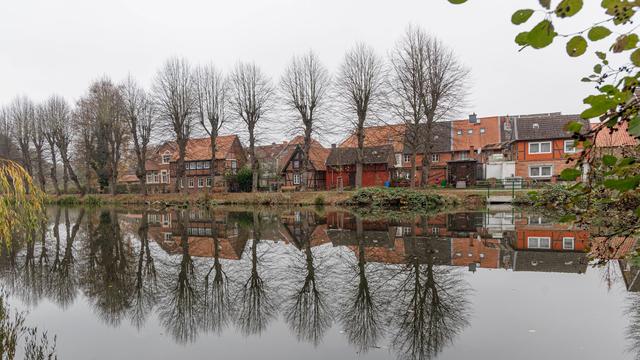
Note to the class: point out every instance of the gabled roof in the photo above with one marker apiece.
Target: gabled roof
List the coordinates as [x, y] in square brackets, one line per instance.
[614, 137]
[271, 151]
[372, 155]
[317, 153]
[392, 134]
[200, 149]
[551, 261]
[545, 126]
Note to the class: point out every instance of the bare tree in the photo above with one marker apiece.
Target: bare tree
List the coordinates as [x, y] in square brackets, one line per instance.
[304, 87]
[141, 120]
[22, 112]
[408, 82]
[211, 93]
[63, 129]
[53, 108]
[38, 139]
[359, 88]
[7, 147]
[251, 98]
[174, 98]
[445, 95]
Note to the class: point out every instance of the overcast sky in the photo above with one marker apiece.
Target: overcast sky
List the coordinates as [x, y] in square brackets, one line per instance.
[54, 46]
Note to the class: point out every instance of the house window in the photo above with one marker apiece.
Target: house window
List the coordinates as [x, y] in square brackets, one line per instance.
[459, 132]
[296, 179]
[470, 131]
[464, 155]
[190, 182]
[482, 130]
[194, 165]
[542, 171]
[543, 147]
[149, 178]
[398, 160]
[435, 231]
[167, 236]
[539, 242]
[568, 243]
[199, 165]
[407, 157]
[406, 230]
[435, 157]
[181, 183]
[206, 165]
[208, 182]
[166, 158]
[234, 166]
[200, 182]
[164, 177]
[569, 146]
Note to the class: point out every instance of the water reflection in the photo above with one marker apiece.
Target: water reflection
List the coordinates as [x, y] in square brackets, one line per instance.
[396, 283]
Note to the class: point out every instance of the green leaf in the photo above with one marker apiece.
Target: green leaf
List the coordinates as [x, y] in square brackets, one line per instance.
[570, 174]
[601, 55]
[568, 8]
[598, 33]
[600, 104]
[541, 35]
[545, 4]
[597, 69]
[624, 184]
[609, 160]
[576, 46]
[635, 57]
[521, 16]
[456, 2]
[567, 218]
[522, 38]
[574, 126]
[633, 128]
[625, 42]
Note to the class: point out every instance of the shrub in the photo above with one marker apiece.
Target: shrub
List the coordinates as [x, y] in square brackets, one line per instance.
[91, 200]
[397, 198]
[67, 200]
[319, 200]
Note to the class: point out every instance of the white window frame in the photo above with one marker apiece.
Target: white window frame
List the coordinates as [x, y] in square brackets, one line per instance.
[459, 132]
[407, 157]
[482, 130]
[209, 181]
[199, 165]
[470, 131]
[164, 177]
[200, 182]
[539, 167]
[206, 165]
[537, 243]
[464, 155]
[571, 143]
[435, 157]
[398, 160]
[539, 143]
[296, 179]
[573, 243]
[190, 182]
[166, 153]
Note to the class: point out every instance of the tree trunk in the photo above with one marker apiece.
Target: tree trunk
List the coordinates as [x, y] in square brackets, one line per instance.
[41, 177]
[254, 163]
[65, 177]
[360, 155]
[414, 167]
[54, 170]
[182, 150]
[213, 159]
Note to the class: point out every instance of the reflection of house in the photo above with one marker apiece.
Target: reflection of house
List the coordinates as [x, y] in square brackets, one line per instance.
[483, 252]
[341, 166]
[550, 261]
[630, 275]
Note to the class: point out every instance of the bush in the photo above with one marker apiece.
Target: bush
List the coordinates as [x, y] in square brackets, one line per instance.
[92, 201]
[244, 179]
[552, 195]
[397, 198]
[68, 200]
[319, 200]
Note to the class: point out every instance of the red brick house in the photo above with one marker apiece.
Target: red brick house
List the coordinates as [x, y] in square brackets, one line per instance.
[229, 157]
[541, 145]
[341, 166]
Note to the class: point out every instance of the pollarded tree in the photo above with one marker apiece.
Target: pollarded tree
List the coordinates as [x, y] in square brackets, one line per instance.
[22, 112]
[175, 101]
[251, 98]
[359, 88]
[54, 109]
[63, 130]
[38, 139]
[212, 90]
[141, 120]
[305, 86]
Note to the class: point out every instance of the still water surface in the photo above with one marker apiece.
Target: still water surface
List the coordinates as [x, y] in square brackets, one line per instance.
[288, 284]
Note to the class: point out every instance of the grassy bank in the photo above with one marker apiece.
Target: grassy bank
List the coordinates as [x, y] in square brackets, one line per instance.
[468, 198]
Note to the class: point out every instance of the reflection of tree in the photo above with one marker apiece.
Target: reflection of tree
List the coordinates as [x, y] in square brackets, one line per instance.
[178, 310]
[256, 307]
[63, 280]
[362, 313]
[145, 289]
[108, 277]
[431, 307]
[306, 309]
[217, 309]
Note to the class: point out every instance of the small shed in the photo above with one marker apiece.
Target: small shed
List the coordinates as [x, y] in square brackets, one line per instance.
[467, 171]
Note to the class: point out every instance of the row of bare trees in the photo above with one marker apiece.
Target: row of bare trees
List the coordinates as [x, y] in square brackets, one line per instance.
[115, 123]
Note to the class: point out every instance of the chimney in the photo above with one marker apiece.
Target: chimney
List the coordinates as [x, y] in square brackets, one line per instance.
[273, 143]
[333, 146]
[473, 118]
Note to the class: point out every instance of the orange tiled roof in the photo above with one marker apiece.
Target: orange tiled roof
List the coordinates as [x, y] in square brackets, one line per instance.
[200, 149]
[617, 136]
[379, 135]
[317, 153]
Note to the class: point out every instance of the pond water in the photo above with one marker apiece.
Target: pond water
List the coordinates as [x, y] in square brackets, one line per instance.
[237, 283]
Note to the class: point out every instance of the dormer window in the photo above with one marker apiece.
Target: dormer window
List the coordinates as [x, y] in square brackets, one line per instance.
[166, 157]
